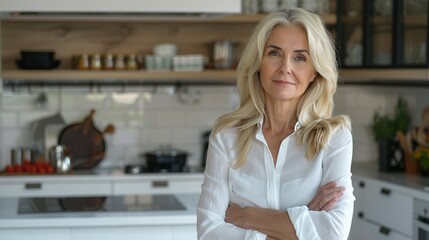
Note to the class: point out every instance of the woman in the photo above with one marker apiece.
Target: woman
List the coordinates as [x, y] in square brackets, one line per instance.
[268, 159]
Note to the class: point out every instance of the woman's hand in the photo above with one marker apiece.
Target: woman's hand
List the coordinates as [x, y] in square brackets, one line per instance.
[239, 216]
[275, 224]
[326, 197]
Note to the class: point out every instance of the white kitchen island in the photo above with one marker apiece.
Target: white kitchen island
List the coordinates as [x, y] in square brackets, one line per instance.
[164, 224]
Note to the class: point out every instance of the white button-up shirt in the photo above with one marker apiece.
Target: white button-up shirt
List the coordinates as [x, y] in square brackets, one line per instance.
[289, 185]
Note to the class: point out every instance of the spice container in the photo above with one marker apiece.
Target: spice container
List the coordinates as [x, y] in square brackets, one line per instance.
[108, 63]
[15, 156]
[95, 63]
[119, 62]
[82, 62]
[131, 62]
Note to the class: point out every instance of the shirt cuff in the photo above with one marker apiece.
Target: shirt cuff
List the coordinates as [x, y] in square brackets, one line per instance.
[302, 223]
[254, 235]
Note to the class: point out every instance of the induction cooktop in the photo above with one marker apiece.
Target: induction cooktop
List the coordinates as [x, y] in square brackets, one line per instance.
[127, 203]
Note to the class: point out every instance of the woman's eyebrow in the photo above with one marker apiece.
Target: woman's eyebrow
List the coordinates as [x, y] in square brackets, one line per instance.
[297, 50]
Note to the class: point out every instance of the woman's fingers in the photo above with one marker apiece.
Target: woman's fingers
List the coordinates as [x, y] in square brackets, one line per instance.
[329, 202]
[325, 197]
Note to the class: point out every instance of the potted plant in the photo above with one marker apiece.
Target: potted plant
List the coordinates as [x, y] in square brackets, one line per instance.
[422, 155]
[385, 129]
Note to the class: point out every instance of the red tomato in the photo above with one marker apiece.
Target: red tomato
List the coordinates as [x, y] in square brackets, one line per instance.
[9, 169]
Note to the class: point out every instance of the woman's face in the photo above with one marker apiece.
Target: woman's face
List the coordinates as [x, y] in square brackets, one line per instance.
[286, 67]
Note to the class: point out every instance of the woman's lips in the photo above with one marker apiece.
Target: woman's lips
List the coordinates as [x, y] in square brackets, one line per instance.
[284, 82]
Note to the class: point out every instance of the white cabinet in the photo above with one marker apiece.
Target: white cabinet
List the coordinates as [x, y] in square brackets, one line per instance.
[34, 234]
[123, 6]
[48, 186]
[376, 232]
[157, 186]
[381, 211]
[178, 232]
[38, 188]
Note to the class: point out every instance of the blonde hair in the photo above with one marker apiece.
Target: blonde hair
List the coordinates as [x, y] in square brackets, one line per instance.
[315, 106]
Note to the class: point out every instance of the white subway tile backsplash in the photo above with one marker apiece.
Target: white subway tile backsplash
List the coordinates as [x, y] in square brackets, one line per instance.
[126, 100]
[125, 136]
[141, 118]
[147, 117]
[20, 101]
[85, 101]
[9, 120]
[170, 118]
[154, 137]
[12, 138]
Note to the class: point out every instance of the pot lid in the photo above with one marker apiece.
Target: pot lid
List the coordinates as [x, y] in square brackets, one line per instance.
[166, 151]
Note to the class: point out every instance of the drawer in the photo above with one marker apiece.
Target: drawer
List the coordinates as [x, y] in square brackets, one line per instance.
[387, 207]
[156, 187]
[377, 232]
[46, 189]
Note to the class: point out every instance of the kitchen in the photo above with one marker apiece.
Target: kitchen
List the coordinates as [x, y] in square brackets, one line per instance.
[147, 116]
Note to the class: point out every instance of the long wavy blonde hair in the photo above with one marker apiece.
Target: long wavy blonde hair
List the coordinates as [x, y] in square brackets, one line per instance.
[314, 112]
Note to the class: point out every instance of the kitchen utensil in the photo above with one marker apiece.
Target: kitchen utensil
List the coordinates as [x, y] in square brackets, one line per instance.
[205, 146]
[40, 130]
[422, 136]
[224, 54]
[59, 158]
[85, 142]
[165, 159]
[134, 169]
[80, 204]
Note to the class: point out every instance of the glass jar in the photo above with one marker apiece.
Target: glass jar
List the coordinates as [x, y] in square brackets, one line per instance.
[108, 63]
[82, 62]
[95, 63]
[131, 62]
[119, 62]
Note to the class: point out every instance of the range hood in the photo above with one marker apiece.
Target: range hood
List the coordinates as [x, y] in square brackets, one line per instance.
[122, 6]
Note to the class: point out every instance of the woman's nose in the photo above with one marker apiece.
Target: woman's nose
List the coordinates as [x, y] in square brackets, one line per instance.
[285, 66]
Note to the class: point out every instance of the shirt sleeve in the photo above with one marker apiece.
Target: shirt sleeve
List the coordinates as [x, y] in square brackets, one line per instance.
[214, 198]
[333, 224]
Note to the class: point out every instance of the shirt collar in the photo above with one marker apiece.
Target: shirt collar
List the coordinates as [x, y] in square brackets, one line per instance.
[260, 135]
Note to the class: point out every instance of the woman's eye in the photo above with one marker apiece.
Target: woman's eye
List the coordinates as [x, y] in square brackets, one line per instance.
[273, 53]
[300, 58]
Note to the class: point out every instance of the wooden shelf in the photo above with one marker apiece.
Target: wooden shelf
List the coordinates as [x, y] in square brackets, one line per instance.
[385, 76]
[418, 75]
[236, 18]
[221, 76]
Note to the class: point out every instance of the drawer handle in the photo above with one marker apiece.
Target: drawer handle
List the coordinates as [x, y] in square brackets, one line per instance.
[384, 230]
[33, 186]
[385, 191]
[160, 184]
[360, 215]
[362, 184]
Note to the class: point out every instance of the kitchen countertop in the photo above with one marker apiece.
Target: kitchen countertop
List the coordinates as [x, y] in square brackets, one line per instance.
[412, 184]
[102, 174]
[9, 218]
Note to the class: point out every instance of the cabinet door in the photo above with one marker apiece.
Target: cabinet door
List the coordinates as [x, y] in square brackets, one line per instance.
[383, 33]
[32, 234]
[350, 34]
[387, 207]
[376, 232]
[128, 233]
[414, 51]
[356, 228]
[46, 189]
[185, 232]
[161, 186]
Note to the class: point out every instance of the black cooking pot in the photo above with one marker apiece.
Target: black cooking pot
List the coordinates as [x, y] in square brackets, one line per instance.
[165, 159]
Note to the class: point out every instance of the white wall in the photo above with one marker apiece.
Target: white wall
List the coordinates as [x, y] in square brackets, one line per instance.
[146, 117]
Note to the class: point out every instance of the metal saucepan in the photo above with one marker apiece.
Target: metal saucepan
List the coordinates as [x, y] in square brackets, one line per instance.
[165, 159]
